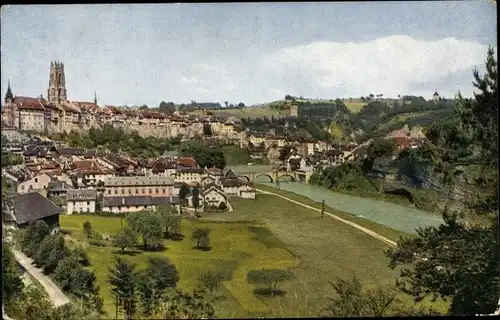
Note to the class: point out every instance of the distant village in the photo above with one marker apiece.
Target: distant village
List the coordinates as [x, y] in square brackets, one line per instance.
[91, 180]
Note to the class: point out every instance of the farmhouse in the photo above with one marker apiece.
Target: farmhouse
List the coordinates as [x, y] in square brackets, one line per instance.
[21, 210]
[81, 201]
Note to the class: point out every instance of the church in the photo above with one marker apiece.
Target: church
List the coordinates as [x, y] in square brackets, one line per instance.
[54, 114]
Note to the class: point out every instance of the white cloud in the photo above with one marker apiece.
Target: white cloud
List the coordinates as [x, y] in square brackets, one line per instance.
[391, 65]
[192, 80]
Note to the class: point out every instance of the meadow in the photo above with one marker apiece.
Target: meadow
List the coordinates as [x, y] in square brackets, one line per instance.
[269, 232]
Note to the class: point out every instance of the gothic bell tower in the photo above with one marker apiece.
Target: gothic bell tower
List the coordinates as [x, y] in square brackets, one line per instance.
[57, 83]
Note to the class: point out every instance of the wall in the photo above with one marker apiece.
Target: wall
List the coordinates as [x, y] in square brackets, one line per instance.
[81, 206]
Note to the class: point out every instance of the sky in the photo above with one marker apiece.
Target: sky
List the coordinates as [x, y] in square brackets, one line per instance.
[134, 54]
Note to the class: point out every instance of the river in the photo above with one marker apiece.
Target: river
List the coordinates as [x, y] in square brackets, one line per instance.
[395, 216]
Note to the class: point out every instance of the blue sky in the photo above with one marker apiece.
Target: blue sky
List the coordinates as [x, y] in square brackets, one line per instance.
[246, 52]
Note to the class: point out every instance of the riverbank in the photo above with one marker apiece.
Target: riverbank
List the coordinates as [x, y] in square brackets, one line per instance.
[383, 230]
[393, 216]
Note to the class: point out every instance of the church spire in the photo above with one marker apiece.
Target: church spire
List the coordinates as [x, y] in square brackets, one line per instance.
[95, 97]
[8, 95]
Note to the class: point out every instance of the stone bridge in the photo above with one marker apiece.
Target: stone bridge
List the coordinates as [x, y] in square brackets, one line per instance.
[276, 176]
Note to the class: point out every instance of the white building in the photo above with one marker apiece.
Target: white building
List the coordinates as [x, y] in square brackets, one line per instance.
[81, 201]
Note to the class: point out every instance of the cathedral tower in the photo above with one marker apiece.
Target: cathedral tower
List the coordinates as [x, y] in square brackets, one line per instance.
[57, 83]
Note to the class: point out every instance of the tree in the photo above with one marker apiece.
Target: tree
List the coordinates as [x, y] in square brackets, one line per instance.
[123, 286]
[185, 306]
[12, 285]
[352, 300]
[34, 236]
[150, 226]
[226, 103]
[201, 235]
[126, 238]
[382, 147]
[455, 260]
[269, 277]
[210, 280]
[241, 105]
[184, 191]
[81, 256]
[52, 250]
[32, 305]
[196, 198]
[87, 229]
[153, 282]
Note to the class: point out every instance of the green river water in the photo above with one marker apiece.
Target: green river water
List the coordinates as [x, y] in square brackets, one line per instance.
[395, 216]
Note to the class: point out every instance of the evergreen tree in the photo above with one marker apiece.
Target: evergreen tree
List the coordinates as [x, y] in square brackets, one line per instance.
[454, 260]
[123, 286]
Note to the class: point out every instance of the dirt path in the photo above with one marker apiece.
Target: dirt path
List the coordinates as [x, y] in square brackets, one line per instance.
[352, 224]
[57, 297]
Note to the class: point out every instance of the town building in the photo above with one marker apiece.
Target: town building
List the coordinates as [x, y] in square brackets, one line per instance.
[21, 210]
[134, 186]
[81, 201]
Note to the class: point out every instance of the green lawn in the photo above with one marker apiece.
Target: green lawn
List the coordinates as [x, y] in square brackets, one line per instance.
[268, 232]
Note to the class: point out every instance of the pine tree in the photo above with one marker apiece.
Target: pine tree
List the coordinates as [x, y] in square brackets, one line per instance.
[123, 286]
[454, 260]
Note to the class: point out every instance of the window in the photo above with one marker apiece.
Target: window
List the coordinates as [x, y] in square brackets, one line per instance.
[36, 180]
[88, 203]
[136, 191]
[123, 191]
[163, 190]
[116, 191]
[129, 191]
[143, 191]
[150, 191]
[109, 191]
[157, 190]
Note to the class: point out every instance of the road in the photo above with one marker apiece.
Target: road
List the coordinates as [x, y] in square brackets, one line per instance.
[57, 297]
[352, 224]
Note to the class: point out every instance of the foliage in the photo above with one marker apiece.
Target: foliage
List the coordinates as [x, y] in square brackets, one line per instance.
[184, 191]
[205, 156]
[382, 147]
[196, 197]
[457, 261]
[11, 160]
[33, 304]
[210, 280]
[452, 261]
[202, 237]
[81, 255]
[123, 286]
[352, 300]
[51, 251]
[87, 229]
[116, 139]
[12, 285]
[153, 282]
[182, 305]
[126, 238]
[172, 221]
[269, 277]
[73, 278]
[150, 226]
[33, 237]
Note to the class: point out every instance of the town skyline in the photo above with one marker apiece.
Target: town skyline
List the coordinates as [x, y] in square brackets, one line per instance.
[249, 53]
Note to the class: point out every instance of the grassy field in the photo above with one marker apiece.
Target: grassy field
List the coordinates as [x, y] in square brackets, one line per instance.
[355, 105]
[401, 118]
[268, 232]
